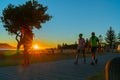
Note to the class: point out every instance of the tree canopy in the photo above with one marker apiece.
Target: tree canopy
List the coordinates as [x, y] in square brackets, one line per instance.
[31, 14]
[110, 36]
[118, 36]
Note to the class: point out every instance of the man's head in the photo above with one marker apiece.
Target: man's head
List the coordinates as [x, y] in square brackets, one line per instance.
[80, 35]
[93, 33]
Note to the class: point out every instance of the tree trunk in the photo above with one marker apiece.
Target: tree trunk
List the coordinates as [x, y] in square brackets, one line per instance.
[19, 43]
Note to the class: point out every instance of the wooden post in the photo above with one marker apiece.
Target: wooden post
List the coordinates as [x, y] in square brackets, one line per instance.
[113, 69]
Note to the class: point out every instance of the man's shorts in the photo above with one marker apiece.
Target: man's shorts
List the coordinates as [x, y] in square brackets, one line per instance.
[93, 49]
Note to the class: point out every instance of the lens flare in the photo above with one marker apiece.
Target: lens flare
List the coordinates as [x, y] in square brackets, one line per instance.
[36, 46]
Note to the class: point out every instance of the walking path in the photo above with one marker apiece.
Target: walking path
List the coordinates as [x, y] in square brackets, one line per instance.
[58, 70]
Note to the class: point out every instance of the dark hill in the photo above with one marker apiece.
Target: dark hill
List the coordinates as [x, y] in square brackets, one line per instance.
[5, 45]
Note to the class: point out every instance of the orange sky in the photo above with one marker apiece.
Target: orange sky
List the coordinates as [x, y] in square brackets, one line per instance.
[44, 45]
[41, 44]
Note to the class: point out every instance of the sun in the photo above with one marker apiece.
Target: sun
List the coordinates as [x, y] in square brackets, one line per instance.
[36, 47]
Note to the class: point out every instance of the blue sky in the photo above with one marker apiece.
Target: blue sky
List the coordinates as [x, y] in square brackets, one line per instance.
[71, 17]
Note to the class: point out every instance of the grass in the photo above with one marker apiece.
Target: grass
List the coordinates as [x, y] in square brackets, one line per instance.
[10, 58]
[98, 76]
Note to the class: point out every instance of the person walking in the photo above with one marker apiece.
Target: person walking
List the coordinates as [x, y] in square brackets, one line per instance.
[94, 41]
[80, 48]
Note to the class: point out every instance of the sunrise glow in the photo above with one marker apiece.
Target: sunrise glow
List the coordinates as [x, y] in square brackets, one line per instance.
[36, 46]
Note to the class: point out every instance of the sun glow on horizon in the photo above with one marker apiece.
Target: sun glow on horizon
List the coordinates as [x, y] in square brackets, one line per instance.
[36, 46]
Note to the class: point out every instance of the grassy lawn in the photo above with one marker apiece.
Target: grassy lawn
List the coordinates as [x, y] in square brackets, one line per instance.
[98, 76]
[9, 58]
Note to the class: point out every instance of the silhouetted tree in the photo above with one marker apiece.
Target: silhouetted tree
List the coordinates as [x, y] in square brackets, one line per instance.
[59, 46]
[100, 38]
[26, 16]
[110, 37]
[118, 37]
[75, 42]
[64, 46]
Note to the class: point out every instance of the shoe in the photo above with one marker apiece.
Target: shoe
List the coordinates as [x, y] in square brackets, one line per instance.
[96, 61]
[92, 63]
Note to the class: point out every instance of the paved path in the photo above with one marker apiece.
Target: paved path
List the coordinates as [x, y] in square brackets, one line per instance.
[59, 70]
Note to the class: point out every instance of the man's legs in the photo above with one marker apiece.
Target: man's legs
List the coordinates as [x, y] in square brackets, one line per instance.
[84, 57]
[77, 56]
[93, 50]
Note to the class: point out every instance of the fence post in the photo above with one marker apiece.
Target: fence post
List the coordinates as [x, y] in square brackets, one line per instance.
[113, 69]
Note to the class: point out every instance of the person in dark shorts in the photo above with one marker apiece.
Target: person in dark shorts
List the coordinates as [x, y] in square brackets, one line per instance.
[81, 48]
[94, 41]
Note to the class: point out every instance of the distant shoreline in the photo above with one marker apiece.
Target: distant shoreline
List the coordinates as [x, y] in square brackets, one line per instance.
[2, 49]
